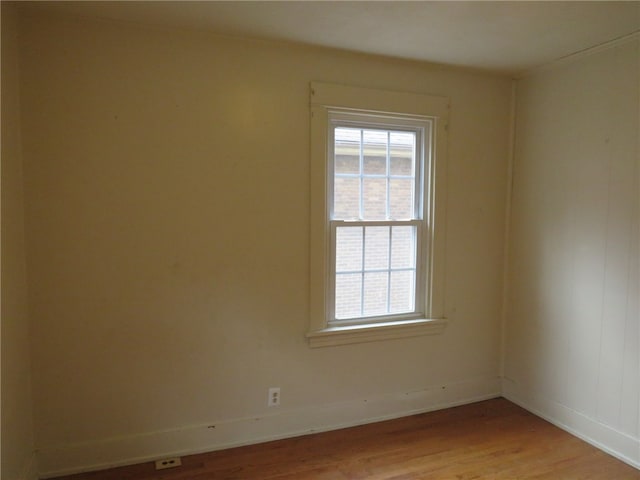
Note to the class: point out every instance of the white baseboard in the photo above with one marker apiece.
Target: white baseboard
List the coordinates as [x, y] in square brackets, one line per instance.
[618, 444]
[126, 450]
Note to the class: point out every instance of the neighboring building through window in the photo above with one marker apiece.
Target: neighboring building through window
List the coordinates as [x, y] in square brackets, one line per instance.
[377, 255]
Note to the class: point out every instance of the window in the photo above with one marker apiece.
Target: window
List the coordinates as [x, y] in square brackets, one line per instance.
[375, 205]
[376, 246]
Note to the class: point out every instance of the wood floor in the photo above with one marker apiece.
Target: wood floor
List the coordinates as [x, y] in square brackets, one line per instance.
[494, 439]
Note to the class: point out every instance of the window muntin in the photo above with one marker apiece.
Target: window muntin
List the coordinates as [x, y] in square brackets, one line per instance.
[375, 207]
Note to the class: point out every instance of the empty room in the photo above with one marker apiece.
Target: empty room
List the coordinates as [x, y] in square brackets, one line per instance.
[320, 240]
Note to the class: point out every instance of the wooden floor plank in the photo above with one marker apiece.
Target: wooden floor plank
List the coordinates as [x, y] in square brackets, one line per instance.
[490, 440]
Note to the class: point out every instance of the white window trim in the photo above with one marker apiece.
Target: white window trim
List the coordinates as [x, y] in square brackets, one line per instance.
[328, 97]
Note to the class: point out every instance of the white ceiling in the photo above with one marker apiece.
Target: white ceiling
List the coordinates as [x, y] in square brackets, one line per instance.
[507, 37]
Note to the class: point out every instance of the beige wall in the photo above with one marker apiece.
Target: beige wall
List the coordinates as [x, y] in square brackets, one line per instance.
[573, 350]
[167, 183]
[18, 457]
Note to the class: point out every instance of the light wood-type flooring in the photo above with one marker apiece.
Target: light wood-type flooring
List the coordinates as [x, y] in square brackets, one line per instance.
[493, 439]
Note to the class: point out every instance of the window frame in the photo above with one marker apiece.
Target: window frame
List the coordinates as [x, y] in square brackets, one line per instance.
[422, 127]
[382, 108]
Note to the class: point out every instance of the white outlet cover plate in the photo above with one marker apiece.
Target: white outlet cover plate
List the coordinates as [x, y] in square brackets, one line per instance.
[168, 463]
[274, 397]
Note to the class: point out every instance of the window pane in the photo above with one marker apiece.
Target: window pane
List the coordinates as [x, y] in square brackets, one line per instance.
[376, 249]
[403, 252]
[401, 149]
[375, 293]
[346, 194]
[374, 199]
[349, 249]
[348, 295]
[401, 292]
[347, 150]
[401, 204]
[374, 144]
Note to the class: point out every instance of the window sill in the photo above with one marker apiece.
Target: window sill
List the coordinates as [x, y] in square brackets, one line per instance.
[346, 335]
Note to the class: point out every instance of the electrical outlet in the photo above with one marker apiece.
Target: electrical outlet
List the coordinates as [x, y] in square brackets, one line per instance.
[168, 463]
[274, 397]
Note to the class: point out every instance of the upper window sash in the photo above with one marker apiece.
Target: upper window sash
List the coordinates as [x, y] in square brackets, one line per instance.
[420, 126]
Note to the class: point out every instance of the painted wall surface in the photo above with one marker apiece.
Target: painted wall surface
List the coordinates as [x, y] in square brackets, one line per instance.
[573, 353]
[17, 453]
[167, 186]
